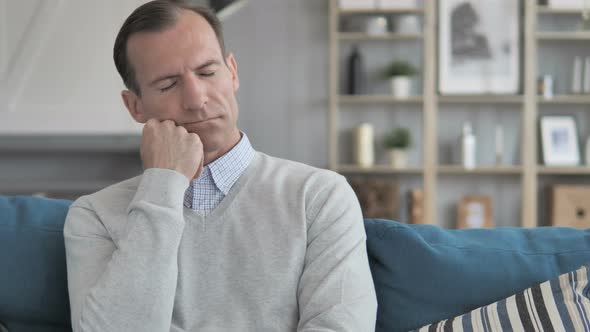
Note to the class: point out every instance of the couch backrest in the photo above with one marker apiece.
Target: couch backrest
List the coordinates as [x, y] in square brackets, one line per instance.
[33, 278]
[424, 274]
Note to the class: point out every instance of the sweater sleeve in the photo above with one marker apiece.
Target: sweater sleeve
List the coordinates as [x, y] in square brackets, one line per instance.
[128, 285]
[336, 290]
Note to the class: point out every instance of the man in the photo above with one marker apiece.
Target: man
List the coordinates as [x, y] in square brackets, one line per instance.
[213, 236]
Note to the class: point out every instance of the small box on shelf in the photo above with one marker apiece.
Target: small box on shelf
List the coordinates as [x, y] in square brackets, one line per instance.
[569, 206]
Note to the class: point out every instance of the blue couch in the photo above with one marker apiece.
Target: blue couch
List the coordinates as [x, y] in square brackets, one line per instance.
[422, 273]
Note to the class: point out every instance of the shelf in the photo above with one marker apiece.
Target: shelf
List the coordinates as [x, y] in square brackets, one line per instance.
[559, 11]
[417, 11]
[566, 99]
[360, 36]
[380, 99]
[481, 99]
[564, 170]
[70, 143]
[56, 187]
[563, 36]
[378, 169]
[493, 170]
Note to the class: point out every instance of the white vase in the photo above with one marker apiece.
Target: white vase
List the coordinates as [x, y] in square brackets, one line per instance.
[407, 24]
[376, 25]
[398, 158]
[400, 86]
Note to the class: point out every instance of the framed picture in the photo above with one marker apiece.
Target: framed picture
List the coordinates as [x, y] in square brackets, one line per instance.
[475, 212]
[479, 47]
[559, 139]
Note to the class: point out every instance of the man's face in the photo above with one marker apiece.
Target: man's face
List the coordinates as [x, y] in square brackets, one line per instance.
[183, 77]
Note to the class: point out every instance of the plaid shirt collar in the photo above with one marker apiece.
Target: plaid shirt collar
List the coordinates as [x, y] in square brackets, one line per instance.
[226, 169]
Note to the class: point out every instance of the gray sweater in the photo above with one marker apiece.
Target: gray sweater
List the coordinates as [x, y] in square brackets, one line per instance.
[284, 251]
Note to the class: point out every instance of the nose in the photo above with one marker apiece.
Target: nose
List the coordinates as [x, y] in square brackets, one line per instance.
[194, 93]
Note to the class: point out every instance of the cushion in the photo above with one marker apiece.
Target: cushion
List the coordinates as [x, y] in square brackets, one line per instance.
[560, 304]
[424, 274]
[33, 282]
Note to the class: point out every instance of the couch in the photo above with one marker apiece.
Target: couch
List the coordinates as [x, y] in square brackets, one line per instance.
[422, 273]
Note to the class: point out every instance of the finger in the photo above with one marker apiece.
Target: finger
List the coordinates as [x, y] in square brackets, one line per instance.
[200, 169]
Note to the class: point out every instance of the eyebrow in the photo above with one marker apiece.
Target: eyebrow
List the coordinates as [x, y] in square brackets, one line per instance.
[169, 76]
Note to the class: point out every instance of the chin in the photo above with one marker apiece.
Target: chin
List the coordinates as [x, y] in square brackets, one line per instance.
[211, 143]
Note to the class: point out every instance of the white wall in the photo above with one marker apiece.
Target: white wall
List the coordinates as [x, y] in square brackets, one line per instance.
[56, 70]
[57, 74]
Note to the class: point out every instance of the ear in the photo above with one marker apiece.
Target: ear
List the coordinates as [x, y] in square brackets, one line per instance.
[134, 106]
[233, 68]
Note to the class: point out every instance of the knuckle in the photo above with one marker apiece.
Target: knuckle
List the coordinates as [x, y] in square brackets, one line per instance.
[196, 138]
[180, 129]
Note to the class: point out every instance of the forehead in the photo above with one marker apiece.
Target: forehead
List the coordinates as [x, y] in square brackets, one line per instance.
[189, 42]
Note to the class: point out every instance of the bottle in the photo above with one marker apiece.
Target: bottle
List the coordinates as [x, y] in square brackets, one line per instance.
[356, 78]
[577, 76]
[586, 78]
[588, 151]
[468, 147]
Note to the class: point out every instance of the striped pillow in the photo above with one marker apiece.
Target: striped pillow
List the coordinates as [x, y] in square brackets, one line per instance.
[561, 304]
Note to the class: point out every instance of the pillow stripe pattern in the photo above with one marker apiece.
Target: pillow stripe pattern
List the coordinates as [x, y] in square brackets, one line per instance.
[560, 304]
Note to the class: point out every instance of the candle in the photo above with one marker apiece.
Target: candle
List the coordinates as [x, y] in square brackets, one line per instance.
[364, 154]
[499, 145]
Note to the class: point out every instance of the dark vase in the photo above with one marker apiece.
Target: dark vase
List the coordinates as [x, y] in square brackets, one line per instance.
[356, 73]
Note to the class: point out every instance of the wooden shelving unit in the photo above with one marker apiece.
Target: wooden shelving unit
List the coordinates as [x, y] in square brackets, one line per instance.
[376, 99]
[378, 169]
[579, 170]
[527, 173]
[563, 36]
[357, 36]
[480, 170]
[417, 11]
[546, 10]
[482, 99]
[566, 99]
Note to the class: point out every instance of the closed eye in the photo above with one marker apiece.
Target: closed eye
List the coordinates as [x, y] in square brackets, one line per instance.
[208, 74]
[168, 87]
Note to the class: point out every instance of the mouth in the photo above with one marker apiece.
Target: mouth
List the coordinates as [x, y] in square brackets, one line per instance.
[201, 121]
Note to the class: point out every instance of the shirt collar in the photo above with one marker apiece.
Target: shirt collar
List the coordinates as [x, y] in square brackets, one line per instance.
[226, 169]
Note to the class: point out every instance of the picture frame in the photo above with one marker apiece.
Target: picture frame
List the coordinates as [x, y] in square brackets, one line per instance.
[559, 140]
[479, 47]
[475, 211]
